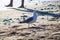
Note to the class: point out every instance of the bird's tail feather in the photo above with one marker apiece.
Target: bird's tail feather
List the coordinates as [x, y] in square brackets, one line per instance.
[20, 22]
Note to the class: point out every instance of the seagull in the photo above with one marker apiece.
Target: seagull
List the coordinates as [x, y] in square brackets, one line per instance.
[31, 19]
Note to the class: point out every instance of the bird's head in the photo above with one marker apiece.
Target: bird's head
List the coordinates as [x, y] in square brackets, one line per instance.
[35, 13]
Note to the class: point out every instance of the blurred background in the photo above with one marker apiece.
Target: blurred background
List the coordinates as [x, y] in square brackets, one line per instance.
[18, 2]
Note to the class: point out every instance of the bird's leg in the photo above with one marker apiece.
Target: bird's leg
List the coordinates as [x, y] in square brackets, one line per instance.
[28, 25]
[34, 24]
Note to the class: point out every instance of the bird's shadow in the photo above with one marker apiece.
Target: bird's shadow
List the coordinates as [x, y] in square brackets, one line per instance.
[36, 28]
[39, 12]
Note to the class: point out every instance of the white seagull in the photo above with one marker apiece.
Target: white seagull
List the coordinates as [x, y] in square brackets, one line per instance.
[31, 19]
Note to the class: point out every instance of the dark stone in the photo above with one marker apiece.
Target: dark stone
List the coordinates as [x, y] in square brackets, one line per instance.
[15, 26]
[42, 37]
[51, 38]
[30, 39]
[2, 32]
[22, 35]
[19, 39]
[13, 33]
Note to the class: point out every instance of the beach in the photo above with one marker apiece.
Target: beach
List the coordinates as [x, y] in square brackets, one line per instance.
[46, 27]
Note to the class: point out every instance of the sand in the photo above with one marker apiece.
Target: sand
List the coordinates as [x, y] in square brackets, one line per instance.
[42, 29]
